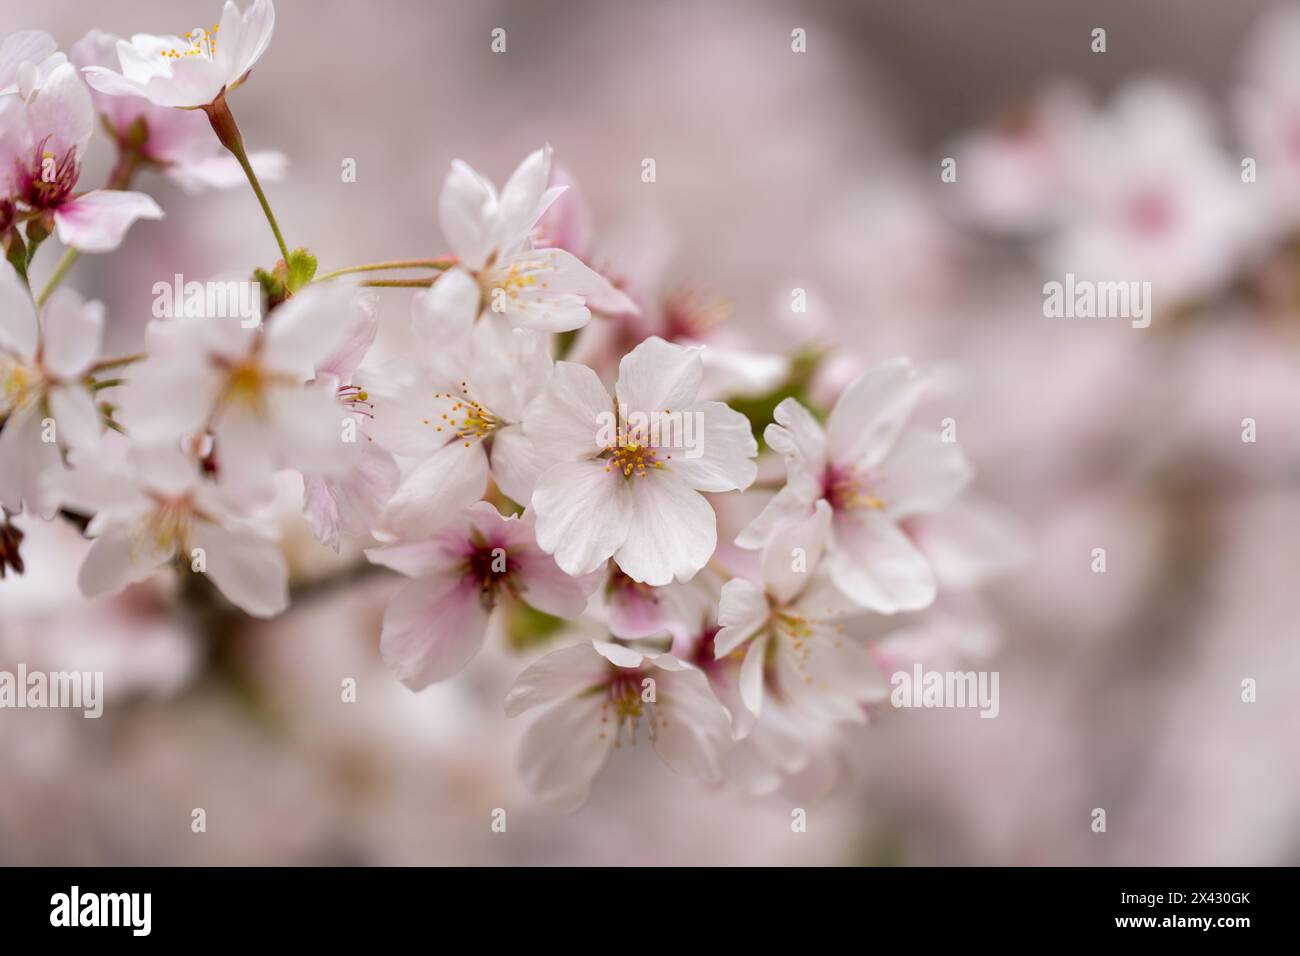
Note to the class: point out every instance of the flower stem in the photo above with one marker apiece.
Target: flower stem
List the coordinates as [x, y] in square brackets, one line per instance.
[223, 124]
[400, 283]
[60, 271]
[437, 264]
[129, 159]
[107, 364]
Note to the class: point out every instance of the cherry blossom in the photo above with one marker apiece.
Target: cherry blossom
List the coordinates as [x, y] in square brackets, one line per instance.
[597, 697]
[436, 622]
[627, 489]
[192, 70]
[154, 508]
[790, 632]
[350, 501]
[248, 386]
[457, 415]
[872, 473]
[44, 131]
[179, 142]
[499, 269]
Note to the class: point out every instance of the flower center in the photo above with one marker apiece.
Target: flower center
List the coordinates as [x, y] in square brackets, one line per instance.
[201, 43]
[519, 276]
[626, 704]
[632, 459]
[797, 630]
[166, 530]
[356, 399]
[468, 420]
[849, 491]
[20, 385]
[47, 181]
[488, 568]
[246, 384]
[689, 315]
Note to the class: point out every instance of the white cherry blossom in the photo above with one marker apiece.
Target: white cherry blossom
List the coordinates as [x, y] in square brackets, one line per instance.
[789, 631]
[597, 697]
[248, 387]
[872, 473]
[619, 485]
[154, 508]
[194, 69]
[457, 416]
[499, 269]
[179, 142]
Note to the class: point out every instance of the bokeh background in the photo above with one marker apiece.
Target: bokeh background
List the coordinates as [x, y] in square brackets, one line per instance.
[775, 171]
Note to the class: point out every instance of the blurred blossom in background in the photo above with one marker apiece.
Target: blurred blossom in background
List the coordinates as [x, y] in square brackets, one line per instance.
[818, 171]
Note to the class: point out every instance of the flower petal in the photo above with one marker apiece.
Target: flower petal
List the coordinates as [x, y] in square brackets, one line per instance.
[25, 46]
[694, 728]
[872, 412]
[71, 335]
[724, 449]
[97, 221]
[310, 327]
[563, 751]
[922, 474]
[798, 438]
[791, 504]
[671, 529]
[433, 627]
[248, 570]
[742, 611]
[563, 673]
[257, 25]
[446, 310]
[115, 560]
[659, 376]
[791, 557]
[582, 513]
[19, 329]
[351, 503]
[521, 198]
[450, 479]
[75, 416]
[568, 419]
[516, 463]
[873, 562]
[27, 463]
[541, 584]
[467, 210]
[61, 113]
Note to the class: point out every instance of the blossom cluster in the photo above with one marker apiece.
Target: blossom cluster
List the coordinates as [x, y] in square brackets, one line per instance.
[563, 441]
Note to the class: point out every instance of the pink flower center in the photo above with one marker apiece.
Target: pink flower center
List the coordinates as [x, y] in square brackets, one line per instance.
[848, 490]
[47, 182]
